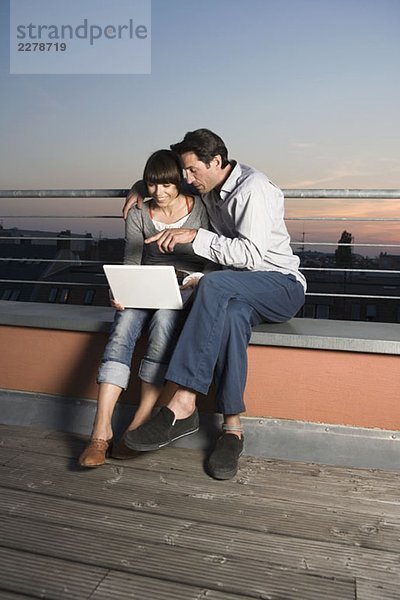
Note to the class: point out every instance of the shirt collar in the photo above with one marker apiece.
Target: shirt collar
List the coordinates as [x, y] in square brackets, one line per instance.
[230, 183]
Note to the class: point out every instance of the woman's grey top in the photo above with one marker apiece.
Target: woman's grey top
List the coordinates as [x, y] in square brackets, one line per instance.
[139, 226]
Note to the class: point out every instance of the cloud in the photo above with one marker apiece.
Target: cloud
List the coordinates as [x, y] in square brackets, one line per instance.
[302, 145]
[377, 232]
[347, 170]
[356, 172]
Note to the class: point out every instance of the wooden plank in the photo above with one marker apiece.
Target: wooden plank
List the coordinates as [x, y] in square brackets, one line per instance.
[334, 486]
[254, 471]
[41, 441]
[135, 504]
[57, 443]
[262, 468]
[7, 595]
[42, 576]
[283, 487]
[372, 590]
[353, 483]
[193, 568]
[276, 589]
[165, 494]
[285, 514]
[312, 522]
[7, 455]
[121, 586]
[91, 516]
[332, 559]
[21, 431]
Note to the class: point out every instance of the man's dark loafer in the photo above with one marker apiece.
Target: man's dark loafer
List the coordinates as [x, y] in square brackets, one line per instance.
[161, 430]
[223, 462]
[121, 452]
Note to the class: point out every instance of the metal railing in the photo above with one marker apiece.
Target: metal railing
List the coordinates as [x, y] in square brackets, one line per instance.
[297, 194]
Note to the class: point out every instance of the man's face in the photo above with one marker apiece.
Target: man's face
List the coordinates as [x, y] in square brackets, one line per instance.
[203, 177]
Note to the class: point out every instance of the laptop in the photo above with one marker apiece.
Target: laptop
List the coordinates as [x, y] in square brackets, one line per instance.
[146, 286]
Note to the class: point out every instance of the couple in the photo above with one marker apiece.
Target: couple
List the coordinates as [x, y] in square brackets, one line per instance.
[258, 281]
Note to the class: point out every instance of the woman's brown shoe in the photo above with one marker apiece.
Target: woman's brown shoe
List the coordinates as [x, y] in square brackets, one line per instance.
[94, 455]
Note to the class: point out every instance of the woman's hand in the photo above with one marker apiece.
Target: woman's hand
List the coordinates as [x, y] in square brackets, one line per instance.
[117, 305]
[191, 281]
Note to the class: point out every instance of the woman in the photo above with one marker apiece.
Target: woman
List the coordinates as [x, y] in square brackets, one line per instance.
[168, 208]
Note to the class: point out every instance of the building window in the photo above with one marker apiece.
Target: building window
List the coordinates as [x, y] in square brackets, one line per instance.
[12, 294]
[15, 294]
[355, 311]
[89, 296]
[322, 311]
[64, 296]
[371, 312]
[53, 295]
[309, 311]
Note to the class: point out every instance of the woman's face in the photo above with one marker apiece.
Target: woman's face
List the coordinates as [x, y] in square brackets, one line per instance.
[163, 193]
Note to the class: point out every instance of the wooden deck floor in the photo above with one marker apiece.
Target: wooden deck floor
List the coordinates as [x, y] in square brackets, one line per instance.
[158, 528]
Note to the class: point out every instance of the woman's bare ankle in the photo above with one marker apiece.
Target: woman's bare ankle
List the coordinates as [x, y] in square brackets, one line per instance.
[101, 432]
[183, 403]
[138, 422]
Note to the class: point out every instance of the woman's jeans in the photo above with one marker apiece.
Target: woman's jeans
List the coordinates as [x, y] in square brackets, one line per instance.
[162, 326]
[217, 331]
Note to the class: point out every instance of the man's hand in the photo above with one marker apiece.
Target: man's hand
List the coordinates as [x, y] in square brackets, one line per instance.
[135, 197]
[167, 239]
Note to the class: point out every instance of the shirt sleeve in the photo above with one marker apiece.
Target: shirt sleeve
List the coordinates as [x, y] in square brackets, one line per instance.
[253, 213]
[134, 240]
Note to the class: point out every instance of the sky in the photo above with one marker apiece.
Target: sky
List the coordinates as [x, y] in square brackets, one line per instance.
[307, 91]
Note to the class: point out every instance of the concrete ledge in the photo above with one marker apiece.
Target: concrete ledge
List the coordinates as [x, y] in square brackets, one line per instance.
[350, 336]
[56, 316]
[269, 438]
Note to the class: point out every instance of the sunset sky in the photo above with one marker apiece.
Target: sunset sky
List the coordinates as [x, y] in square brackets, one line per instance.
[307, 91]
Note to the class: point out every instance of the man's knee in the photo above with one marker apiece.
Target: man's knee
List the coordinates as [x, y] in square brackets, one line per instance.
[239, 316]
[209, 279]
[217, 282]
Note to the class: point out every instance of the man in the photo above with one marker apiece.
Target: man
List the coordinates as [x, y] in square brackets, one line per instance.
[259, 282]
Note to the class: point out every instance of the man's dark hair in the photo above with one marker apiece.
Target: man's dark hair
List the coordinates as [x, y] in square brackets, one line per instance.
[205, 144]
[163, 166]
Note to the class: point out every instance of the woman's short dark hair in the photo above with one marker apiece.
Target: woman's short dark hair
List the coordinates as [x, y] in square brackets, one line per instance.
[163, 166]
[205, 144]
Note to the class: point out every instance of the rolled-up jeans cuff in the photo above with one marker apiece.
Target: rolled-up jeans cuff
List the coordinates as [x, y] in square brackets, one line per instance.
[114, 372]
[152, 372]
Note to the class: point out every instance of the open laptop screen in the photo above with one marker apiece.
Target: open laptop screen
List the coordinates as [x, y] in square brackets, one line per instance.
[144, 286]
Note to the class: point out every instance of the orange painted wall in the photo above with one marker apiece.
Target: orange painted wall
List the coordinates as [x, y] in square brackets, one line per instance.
[347, 388]
[51, 361]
